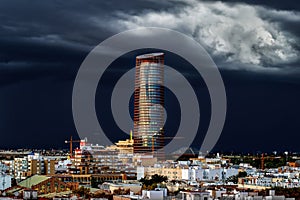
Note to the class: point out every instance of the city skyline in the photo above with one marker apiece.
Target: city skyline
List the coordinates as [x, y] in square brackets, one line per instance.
[145, 99]
[254, 44]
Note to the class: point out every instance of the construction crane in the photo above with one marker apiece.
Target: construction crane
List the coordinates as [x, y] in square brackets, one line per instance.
[71, 141]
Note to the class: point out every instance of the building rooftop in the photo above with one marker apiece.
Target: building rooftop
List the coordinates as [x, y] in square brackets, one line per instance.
[149, 55]
[34, 180]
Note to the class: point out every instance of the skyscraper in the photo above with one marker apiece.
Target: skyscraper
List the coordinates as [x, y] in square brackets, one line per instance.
[148, 103]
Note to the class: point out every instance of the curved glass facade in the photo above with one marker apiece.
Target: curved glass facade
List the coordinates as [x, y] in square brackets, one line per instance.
[148, 103]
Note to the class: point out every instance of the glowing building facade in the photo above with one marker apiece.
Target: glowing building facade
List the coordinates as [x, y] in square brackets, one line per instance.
[148, 103]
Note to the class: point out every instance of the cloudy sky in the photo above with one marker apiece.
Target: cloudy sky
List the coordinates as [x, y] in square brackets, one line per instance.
[255, 44]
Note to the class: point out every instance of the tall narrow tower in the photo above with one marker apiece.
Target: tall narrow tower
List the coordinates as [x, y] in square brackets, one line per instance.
[148, 103]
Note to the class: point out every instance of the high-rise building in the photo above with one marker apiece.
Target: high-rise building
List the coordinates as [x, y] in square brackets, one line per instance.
[148, 103]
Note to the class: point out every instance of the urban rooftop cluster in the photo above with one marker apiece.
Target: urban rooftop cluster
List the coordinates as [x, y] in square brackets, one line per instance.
[116, 172]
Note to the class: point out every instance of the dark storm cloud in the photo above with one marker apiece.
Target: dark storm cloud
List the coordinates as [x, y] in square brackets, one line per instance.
[63, 32]
[44, 36]
[279, 5]
[242, 36]
[31, 58]
[83, 22]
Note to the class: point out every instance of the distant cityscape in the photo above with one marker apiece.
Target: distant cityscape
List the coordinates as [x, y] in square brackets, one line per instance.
[116, 172]
[133, 168]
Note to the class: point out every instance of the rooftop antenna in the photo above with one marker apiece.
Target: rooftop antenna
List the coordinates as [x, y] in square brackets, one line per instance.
[130, 135]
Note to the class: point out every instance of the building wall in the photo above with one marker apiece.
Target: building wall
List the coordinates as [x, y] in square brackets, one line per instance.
[34, 167]
[171, 173]
[5, 182]
[207, 174]
[33, 164]
[20, 168]
[49, 167]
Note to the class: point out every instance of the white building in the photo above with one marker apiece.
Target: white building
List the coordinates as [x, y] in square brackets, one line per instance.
[5, 181]
[20, 168]
[199, 174]
[195, 195]
[157, 194]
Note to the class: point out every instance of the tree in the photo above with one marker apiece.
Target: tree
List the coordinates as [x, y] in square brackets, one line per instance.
[158, 178]
[235, 178]
[151, 184]
[242, 174]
